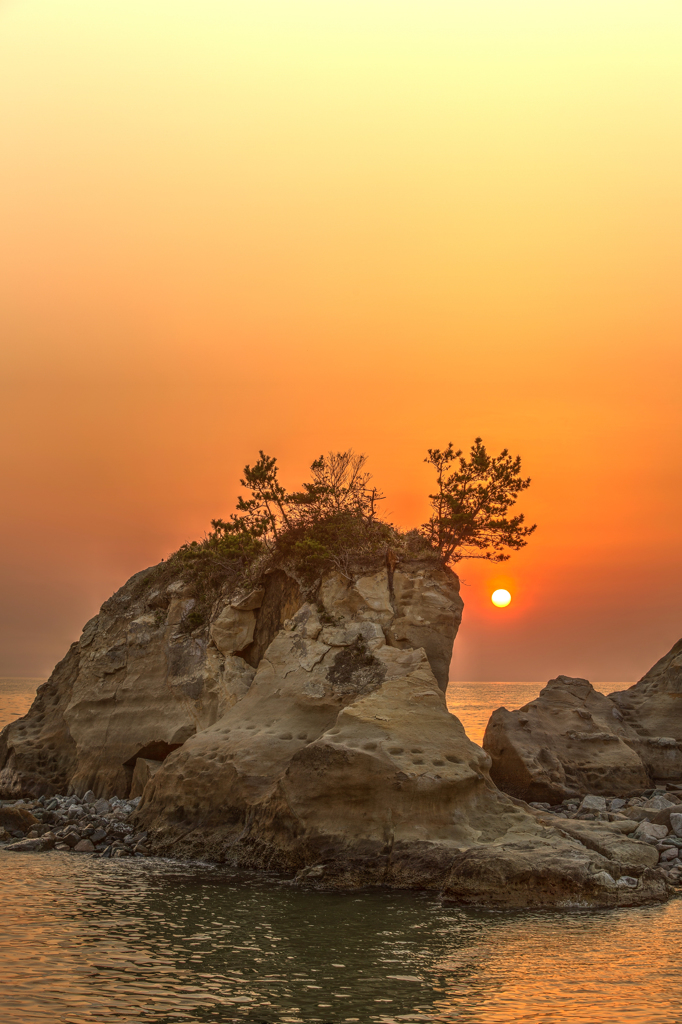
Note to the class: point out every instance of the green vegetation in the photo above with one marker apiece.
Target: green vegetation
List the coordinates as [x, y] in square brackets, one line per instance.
[469, 509]
[332, 523]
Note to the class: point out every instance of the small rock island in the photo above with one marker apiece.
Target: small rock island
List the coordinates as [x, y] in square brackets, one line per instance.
[284, 710]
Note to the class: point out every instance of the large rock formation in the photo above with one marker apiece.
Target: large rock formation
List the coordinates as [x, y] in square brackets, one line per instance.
[572, 740]
[308, 735]
[140, 682]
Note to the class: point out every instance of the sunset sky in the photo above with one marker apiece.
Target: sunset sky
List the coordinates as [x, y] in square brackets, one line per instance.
[303, 225]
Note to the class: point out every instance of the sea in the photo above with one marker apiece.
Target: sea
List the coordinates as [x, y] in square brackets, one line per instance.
[84, 940]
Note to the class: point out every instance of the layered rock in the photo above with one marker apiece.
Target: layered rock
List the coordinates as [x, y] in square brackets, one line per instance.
[307, 735]
[572, 740]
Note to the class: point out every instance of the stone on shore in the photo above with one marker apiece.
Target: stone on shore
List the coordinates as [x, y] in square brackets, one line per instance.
[676, 821]
[15, 819]
[572, 740]
[32, 845]
[649, 832]
[567, 742]
[593, 803]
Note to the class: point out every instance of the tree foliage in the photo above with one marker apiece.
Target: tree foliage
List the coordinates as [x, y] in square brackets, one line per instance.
[470, 507]
[339, 489]
[332, 522]
[339, 486]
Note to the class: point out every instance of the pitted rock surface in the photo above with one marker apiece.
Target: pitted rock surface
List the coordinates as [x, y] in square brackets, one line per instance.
[305, 736]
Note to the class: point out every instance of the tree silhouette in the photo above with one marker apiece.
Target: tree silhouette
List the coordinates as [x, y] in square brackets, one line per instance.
[469, 509]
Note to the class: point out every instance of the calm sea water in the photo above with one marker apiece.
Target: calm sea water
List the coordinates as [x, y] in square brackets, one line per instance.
[84, 940]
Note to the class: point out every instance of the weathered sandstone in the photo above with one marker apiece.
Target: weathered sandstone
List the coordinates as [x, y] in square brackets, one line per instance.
[139, 683]
[572, 740]
[303, 734]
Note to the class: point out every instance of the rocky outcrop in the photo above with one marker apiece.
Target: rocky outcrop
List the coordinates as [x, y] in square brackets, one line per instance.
[342, 765]
[652, 712]
[567, 742]
[136, 685]
[572, 740]
[139, 682]
[308, 735]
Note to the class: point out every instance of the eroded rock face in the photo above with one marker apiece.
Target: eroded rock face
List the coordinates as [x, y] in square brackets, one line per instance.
[415, 609]
[343, 765]
[572, 740]
[652, 710]
[569, 741]
[138, 683]
[306, 736]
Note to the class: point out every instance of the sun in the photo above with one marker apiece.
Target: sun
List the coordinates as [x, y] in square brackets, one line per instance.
[501, 598]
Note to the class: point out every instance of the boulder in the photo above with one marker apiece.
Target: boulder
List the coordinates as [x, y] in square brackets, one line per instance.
[612, 843]
[572, 740]
[16, 819]
[26, 846]
[232, 630]
[567, 742]
[34, 844]
[593, 803]
[657, 803]
[649, 832]
[71, 839]
[627, 827]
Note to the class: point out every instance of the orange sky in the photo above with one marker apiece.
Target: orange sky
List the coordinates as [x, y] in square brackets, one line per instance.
[297, 225]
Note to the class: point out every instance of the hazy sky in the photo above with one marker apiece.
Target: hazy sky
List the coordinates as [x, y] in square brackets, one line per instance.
[308, 224]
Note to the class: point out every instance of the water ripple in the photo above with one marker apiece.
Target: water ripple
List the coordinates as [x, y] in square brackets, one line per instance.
[87, 940]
